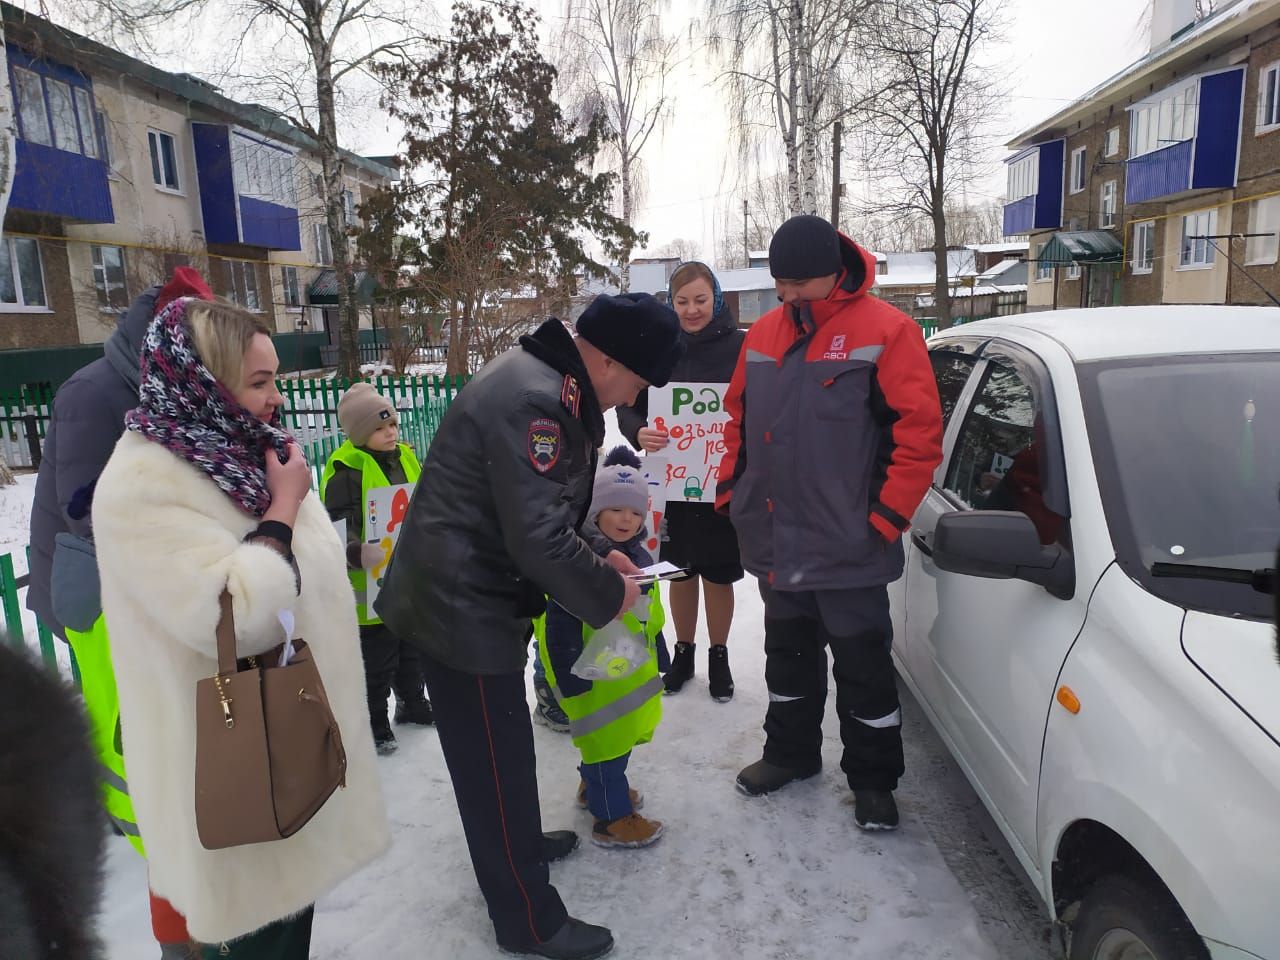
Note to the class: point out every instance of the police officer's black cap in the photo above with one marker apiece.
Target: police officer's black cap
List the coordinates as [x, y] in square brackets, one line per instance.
[638, 331]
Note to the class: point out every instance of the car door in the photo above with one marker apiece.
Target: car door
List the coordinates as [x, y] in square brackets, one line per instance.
[988, 652]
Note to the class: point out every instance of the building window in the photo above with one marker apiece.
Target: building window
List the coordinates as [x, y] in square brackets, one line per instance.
[292, 292]
[1044, 271]
[239, 282]
[1024, 175]
[108, 278]
[86, 116]
[63, 110]
[1077, 169]
[164, 160]
[1269, 98]
[21, 274]
[1144, 246]
[349, 206]
[324, 252]
[1073, 271]
[264, 171]
[1264, 218]
[1197, 252]
[1111, 145]
[1108, 208]
[1167, 118]
[171, 262]
[31, 107]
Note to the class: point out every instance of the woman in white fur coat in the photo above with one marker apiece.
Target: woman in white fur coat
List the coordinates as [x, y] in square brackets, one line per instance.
[196, 498]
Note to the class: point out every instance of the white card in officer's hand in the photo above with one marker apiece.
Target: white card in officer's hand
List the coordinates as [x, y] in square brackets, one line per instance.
[659, 571]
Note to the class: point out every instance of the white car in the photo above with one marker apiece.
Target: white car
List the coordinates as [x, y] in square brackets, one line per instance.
[1086, 614]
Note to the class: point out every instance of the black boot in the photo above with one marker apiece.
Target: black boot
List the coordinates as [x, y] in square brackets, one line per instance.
[558, 844]
[574, 941]
[681, 668]
[764, 777]
[875, 810]
[719, 677]
[419, 712]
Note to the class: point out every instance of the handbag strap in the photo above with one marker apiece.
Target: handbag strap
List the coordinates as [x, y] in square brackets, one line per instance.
[226, 634]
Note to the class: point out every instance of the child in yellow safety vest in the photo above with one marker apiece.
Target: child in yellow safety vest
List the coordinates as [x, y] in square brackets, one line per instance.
[607, 718]
[373, 457]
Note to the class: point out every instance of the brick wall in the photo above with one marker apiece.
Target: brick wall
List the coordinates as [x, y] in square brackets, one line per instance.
[56, 328]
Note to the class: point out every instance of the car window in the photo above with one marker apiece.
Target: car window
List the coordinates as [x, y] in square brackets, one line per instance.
[951, 370]
[997, 463]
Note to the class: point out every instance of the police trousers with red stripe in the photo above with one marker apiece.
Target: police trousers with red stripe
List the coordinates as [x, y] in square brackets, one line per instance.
[799, 628]
[487, 739]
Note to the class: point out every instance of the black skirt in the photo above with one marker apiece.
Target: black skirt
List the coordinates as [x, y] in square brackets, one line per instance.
[703, 542]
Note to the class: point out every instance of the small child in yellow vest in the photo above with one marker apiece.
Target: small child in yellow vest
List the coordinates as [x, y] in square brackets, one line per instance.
[607, 718]
[373, 457]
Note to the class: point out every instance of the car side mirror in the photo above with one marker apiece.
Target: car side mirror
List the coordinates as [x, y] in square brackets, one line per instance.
[998, 545]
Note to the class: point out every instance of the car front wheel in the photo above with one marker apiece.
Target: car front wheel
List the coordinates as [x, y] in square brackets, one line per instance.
[1124, 918]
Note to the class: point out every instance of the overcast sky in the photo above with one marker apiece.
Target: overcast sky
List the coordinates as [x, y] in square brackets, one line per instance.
[1053, 52]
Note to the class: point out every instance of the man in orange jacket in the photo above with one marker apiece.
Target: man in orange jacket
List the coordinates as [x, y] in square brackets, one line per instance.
[834, 435]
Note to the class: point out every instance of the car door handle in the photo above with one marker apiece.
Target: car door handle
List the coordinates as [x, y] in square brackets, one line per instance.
[922, 544]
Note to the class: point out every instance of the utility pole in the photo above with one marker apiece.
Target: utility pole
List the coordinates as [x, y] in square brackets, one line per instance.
[746, 241]
[835, 175]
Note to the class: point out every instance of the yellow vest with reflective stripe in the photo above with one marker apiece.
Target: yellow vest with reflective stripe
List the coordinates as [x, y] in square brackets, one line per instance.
[614, 716]
[371, 478]
[102, 704]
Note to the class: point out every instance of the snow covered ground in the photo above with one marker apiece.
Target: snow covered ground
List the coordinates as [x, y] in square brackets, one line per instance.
[782, 877]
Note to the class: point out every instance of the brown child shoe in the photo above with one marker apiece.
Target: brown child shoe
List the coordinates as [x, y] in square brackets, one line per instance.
[630, 831]
[637, 798]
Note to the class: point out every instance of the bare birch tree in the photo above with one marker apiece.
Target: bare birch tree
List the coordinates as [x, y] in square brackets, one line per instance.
[330, 43]
[614, 58]
[923, 134]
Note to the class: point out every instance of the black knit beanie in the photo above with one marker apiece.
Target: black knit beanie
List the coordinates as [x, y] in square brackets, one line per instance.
[803, 248]
[638, 331]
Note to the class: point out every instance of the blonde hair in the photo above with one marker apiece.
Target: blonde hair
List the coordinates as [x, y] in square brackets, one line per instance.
[222, 333]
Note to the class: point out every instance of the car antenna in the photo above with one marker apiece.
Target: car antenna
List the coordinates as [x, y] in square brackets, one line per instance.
[1250, 277]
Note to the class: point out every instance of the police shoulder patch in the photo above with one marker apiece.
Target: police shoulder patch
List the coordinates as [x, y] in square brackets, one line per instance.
[544, 443]
[570, 394]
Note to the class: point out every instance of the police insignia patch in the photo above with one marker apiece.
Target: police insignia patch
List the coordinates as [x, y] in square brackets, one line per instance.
[544, 444]
[570, 394]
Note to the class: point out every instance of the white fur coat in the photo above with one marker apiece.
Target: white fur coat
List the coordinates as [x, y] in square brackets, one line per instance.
[168, 542]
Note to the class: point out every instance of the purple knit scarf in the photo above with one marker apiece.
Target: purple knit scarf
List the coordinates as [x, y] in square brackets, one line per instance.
[188, 412]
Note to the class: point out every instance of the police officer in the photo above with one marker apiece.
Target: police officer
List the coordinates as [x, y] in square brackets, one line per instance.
[492, 530]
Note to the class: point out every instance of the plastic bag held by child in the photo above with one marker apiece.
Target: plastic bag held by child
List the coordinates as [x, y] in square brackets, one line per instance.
[615, 651]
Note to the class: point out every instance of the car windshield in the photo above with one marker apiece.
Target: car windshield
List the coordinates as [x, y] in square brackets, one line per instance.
[1188, 457]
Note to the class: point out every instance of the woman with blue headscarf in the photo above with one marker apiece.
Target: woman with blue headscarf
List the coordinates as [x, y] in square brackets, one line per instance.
[698, 539]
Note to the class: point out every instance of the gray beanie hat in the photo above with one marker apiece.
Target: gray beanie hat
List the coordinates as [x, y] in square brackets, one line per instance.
[620, 484]
[362, 410]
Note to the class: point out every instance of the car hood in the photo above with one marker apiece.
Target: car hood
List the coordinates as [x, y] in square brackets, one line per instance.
[1239, 656]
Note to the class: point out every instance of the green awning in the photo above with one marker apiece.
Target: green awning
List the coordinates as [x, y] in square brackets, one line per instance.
[324, 289]
[1082, 246]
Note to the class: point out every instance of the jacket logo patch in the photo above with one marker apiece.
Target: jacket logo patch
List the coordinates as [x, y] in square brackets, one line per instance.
[570, 394]
[837, 342]
[544, 444]
[836, 351]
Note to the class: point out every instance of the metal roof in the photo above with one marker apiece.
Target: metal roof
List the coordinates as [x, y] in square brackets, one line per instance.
[324, 288]
[1082, 246]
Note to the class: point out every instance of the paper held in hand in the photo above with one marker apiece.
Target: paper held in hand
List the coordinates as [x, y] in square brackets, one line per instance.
[384, 519]
[693, 416]
[659, 571]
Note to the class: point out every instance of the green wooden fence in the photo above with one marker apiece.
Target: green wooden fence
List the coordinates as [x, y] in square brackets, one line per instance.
[310, 414]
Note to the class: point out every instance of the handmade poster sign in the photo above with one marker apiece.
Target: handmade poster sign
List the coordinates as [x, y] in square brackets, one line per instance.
[384, 519]
[693, 416]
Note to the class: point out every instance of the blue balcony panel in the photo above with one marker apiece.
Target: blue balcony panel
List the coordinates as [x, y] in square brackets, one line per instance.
[1161, 173]
[269, 225]
[1218, 131]
[217, 186]
[61, 184]
[1019, 216]
[1049, 197]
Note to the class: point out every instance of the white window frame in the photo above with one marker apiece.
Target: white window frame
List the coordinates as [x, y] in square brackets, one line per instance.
[1268, 99]
[320, 237]
[1108, 208]
[1264, 217]
[101, 282]
[24, 83]
[21, 306]
[1143, 260]
[1043, 271]
[66, 130]
[1073, 271]
[289, 282]
[1111, 142]
[264, 170]
[244, 280]
[155, 155]
[1167, 117]
[1024, 177]
[1078, 179]
[87, 116]
[1197, 254]
[349, 206]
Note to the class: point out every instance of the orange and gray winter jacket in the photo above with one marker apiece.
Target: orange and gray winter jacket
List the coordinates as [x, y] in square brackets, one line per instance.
[834, 435]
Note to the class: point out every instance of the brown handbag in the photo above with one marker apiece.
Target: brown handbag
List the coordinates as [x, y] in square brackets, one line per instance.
[268, 750]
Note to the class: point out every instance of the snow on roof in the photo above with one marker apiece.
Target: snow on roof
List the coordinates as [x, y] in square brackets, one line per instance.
[742, 280]
[1001, 268]
[1014, 247]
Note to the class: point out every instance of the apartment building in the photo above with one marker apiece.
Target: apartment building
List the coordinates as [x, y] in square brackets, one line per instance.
[124, 171]
[1162, 184]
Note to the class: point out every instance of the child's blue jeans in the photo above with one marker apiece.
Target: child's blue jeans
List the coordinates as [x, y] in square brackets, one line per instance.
[608, 793]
